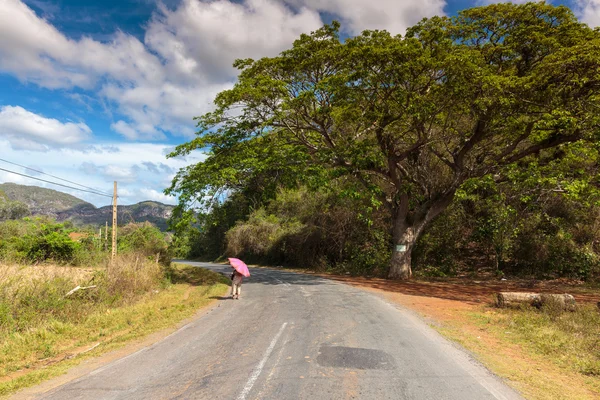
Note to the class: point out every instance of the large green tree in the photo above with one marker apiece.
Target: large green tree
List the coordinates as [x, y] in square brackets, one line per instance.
[410, 117]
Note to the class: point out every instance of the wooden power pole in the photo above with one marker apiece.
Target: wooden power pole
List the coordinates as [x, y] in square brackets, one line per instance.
[106, 236]
[114, 225]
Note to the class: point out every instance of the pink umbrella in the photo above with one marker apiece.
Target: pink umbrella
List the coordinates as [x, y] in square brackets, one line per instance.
[239, 266]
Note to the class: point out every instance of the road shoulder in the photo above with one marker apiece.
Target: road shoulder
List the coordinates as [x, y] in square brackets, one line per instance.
[87, 363]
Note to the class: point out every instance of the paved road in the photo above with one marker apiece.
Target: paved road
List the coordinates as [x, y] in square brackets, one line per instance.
[293, 336]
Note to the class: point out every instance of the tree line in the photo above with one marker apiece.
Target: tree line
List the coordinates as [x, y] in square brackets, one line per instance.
[469, 136]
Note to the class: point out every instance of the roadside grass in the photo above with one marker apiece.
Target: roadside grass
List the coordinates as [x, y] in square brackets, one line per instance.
[43, 333]
[570, 339]
[546, 354]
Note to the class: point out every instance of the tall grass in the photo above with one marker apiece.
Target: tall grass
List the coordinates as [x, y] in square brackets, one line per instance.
[570, 339]
[34, 305]
[43, 331]
[30, 296]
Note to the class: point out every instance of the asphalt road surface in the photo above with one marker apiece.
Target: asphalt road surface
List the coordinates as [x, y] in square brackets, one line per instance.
[294, 336]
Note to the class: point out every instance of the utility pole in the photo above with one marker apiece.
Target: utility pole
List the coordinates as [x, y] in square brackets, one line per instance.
[106, 236]
[114, 225]
[100, 239]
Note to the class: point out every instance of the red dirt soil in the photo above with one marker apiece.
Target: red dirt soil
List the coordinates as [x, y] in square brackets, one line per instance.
[471, 291]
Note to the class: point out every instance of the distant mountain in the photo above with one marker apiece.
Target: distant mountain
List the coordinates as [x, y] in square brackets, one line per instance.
[65, 207]
[39, 200]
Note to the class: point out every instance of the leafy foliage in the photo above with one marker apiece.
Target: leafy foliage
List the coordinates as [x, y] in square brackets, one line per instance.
[321, 230]
[143, 238]
[38, 239]
[12, 209]
[485, 95]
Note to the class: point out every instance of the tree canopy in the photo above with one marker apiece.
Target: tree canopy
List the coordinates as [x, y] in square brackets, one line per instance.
[411, 118]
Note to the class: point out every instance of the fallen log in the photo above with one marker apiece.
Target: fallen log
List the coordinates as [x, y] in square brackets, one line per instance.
[508, 299]
[564, 301]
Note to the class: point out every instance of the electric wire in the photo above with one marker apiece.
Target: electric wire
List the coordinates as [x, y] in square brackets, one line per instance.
[55, 183]
[56, 177]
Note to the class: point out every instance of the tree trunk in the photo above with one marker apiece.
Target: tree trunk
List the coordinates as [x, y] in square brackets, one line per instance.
[507, 299]
[400, 264]
[407, 231]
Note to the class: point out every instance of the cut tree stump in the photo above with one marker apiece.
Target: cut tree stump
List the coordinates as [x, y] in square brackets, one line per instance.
[508, 299]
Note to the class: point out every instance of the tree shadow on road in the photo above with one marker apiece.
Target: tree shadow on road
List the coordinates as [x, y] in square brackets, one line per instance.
[469, 291]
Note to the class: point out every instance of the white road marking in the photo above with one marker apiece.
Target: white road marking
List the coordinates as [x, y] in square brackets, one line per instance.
[258, 369]
[275, 365]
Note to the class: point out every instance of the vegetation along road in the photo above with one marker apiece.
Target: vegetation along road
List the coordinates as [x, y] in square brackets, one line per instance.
[294, 336]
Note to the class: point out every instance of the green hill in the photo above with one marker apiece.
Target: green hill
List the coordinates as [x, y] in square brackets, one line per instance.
[64, 207]
[41, 201]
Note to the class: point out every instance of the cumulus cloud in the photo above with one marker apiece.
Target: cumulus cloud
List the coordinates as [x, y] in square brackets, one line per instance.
[202, 39]
[392, 15]
[588, 11]
[151, 194]
[157, 168]
[157, 85]
[143, 130]
[98, 169]
[35, 51]
[29, 131]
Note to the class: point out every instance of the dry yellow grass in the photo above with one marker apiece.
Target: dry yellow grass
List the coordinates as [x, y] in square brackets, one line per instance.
[28, 273]
[45, 333]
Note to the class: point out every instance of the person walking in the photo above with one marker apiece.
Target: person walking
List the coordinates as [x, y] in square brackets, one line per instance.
[236, 284]
[240, 270]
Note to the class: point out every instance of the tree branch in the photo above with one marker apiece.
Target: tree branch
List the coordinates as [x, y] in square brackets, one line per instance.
[478, 135]
[545, 144]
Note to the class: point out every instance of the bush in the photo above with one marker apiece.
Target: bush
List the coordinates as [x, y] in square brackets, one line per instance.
[12, 209]
[144, 238]
[51, 244]
[318, 230]
[496, 230]
[36, 240]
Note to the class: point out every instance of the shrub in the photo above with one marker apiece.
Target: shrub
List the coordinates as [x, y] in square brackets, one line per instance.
[51, 244]
[318, 230]
[144, 238]
[36, 240]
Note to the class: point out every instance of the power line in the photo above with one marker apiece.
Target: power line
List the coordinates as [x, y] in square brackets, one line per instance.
[54, 183]
[56, 177]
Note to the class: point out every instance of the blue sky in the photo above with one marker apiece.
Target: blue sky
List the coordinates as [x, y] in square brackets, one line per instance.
[96, 91]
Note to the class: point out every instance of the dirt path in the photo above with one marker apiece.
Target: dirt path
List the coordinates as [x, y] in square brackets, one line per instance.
[470, 292]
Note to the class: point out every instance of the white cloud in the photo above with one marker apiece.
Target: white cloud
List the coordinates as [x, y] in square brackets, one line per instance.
[35, 51]
[135, 166]
[392, 15]
[120, 173]
[151, 194]
[202, 39]
[147, 131]
[29, 131]
[588, 11]
[186, 56]
[160, 84]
